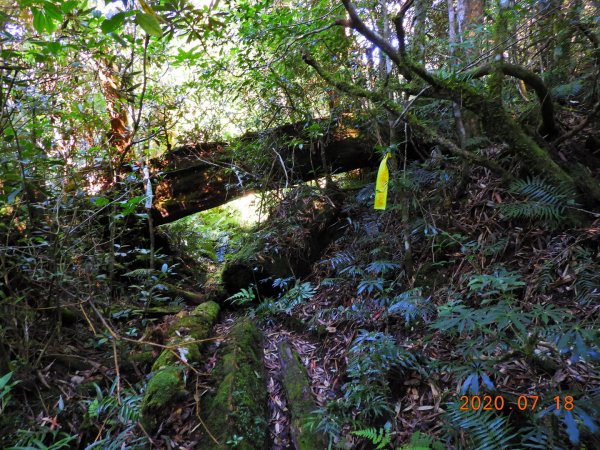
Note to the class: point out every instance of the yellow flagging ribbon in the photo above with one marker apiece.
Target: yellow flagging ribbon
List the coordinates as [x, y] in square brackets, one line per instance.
[381, 186]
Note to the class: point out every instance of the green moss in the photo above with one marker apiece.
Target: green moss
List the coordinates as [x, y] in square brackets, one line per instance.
[199, 322]
[197, 326]
[239, 405]
[190, 351]
[208, 310]
[163, 388]
[166, 385]
[300, 400]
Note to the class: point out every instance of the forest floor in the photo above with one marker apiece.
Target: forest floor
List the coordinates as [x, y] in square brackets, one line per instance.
[462, 288]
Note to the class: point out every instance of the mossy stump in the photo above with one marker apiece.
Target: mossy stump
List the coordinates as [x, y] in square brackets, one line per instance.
[238, 410]
[299, 400]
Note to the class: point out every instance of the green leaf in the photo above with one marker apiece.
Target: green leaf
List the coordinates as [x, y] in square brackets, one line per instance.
[149, 24]
[118, 38]
[53, 11]
[101, 201]
[112, 24]
[571, 426]
[4, 380]
[10, 199]
[39, 20]
[69, 6]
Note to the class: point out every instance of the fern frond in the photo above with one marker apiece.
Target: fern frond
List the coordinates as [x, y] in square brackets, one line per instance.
[484, 429]
[587, 287]
[422, 441]
[545, 277]
[565, 91]
[341, 259]
[381, 267]
[412, 306]
[543, 201]
[140, 273]
[242, 297]
[381, 437]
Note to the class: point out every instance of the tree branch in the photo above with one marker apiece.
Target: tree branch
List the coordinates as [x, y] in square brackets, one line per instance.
[530, 79]
[579, 126]
[375, 38]
[425, 132]
[398, 23]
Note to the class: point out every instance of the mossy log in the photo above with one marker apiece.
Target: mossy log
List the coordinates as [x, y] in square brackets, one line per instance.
[167, 383]
[238, 409]
[198, 177]
[300, 401]
[185, 333]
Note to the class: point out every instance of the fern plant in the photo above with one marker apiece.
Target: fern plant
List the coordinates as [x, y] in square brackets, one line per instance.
[243, 297]
[379, 437]
[381, 267]
[116, 419]
[587, 283]
[541, 201]
[421, 441]
[370, 359]
[501, 283]
[483, 430]
[298, 294]
[412, 306]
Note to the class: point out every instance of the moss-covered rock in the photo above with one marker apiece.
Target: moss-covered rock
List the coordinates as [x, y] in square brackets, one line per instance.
[238, 410]
[299, 400]
[164, 387]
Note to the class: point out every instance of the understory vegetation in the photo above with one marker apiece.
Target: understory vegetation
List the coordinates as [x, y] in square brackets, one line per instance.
[264, 224]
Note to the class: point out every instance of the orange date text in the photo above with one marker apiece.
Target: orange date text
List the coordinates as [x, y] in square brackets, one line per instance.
[522, 403]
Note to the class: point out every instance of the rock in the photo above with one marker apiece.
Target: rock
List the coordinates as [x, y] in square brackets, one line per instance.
[238, 409]
[299, 400]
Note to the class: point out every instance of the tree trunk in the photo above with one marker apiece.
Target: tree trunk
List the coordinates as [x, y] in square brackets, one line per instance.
[199, 177]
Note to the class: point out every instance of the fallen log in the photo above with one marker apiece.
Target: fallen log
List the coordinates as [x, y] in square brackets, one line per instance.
[198, 177]
[300, 401]
[237, 412]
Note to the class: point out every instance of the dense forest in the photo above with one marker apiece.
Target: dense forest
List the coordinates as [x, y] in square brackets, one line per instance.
[265, 224]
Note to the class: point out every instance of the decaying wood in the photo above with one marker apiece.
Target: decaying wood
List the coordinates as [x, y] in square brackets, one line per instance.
[198, 177]
[301, 403]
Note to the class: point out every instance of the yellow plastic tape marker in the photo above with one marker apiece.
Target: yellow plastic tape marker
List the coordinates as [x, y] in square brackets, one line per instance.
[381, 186]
